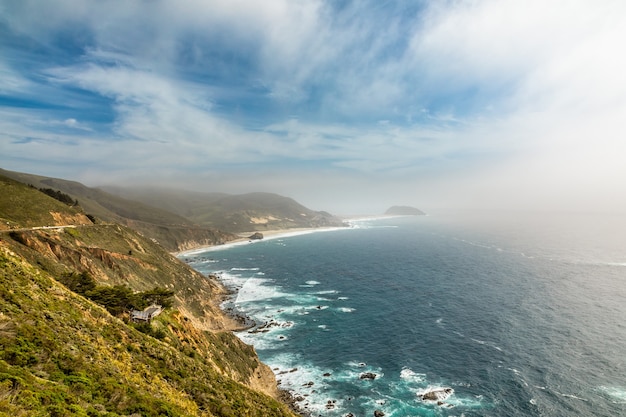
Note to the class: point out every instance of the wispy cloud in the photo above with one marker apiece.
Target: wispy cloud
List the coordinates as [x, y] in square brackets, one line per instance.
[438, 98]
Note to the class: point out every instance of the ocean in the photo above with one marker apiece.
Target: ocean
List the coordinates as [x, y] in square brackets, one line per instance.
[481, 314]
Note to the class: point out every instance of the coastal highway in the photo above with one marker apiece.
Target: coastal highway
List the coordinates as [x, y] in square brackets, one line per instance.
[69, 226]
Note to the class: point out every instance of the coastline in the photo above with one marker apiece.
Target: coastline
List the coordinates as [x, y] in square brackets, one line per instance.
[243, 322]
[288, 396]
[244, 239]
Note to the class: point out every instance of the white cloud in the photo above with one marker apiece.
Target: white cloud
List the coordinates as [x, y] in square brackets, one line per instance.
[12, 82]
[493, 101]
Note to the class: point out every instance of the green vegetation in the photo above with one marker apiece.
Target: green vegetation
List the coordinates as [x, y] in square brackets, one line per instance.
[118, 299]
[60, 196]
[114, 255]
[170, 230]
[233, 213]
[63, 355]
[179, 219]
[23, 206]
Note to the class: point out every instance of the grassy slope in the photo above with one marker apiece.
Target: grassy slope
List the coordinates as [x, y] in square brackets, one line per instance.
[181, 202]
[111, 253]
[22, 206]
[103, 205]
[115, 255]
[170, 230]
[63, 355]
[234, 213]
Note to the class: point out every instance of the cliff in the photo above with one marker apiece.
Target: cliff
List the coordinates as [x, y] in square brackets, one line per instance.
[62, 354]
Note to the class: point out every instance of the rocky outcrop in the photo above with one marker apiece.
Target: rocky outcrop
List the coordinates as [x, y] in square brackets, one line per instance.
[256, 236]
[63, 219]
[438, 395]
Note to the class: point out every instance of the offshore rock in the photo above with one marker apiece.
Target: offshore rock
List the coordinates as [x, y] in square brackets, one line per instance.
[367, 375]
[378, 413]
[404, 211]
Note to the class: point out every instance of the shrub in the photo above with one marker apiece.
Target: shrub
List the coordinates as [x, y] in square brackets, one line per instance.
[79, 283]
[160, 296]
[60, 196]
[117, 299]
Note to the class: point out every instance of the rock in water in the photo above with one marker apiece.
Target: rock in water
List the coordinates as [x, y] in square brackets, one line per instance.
[367, 375]
[436, 394]
[378, 413]
[404, 211]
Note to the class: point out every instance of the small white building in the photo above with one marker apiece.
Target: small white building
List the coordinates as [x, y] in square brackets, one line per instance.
[147, 314]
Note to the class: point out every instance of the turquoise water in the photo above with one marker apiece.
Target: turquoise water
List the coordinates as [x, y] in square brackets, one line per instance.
[520, 316]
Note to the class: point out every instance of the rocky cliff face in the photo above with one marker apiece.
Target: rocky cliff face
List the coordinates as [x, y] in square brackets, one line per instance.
[228, 376]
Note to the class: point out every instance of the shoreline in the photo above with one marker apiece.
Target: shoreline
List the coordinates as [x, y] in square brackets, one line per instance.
[244, 239]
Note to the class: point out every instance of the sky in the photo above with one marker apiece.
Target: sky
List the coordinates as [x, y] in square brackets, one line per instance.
[346, 106]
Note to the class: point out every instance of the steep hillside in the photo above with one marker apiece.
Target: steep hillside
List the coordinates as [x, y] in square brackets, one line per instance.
[62, 355]
[116, 255]
[22, 206]
[233, 213]
[185, 203]
[172, 231]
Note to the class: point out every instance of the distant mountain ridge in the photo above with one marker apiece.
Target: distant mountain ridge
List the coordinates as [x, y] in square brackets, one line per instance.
[173, 232]
[180, 219]
[232, 213]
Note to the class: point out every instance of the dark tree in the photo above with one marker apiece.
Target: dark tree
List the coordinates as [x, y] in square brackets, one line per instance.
[160, 296]
[81, 283]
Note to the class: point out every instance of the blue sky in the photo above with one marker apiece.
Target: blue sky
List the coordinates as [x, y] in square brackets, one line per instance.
[348, 106]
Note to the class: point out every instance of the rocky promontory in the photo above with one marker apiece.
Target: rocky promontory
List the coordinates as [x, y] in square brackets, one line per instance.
[403, 211]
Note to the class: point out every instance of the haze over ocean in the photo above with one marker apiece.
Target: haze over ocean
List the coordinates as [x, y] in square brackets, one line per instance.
[520, 316]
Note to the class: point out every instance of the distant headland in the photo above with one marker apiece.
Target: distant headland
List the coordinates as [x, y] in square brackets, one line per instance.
[404, 211]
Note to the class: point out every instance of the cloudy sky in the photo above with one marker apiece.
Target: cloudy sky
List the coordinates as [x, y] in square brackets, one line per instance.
[348, 106]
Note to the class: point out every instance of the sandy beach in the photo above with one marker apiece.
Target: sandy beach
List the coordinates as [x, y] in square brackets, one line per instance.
[245, 239]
